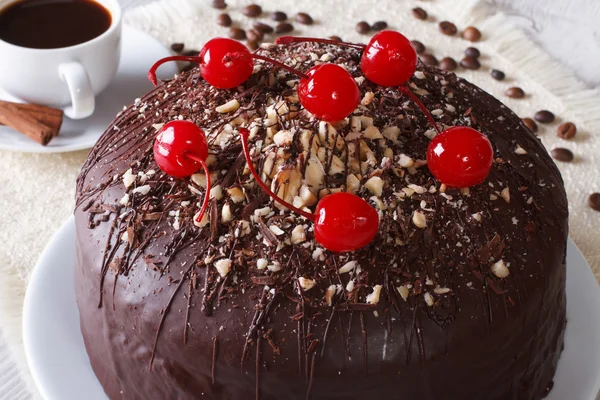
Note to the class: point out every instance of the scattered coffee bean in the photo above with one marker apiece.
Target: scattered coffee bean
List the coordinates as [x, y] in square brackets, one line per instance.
[529, 123]
[253, 35]
[419, 47]
[470, 63]
[278, 16]
[304, 18]
[219, 4]
[379, 26]
[261, 27]
[224, 20]
[447, 28]
[177, 47]
[284, 27]
[428, 59]
[448, 64]
[566, 130]
[363, 27]
[594, 201]
[237, 33]
[472, 52]
[498, 75]
[472, 34]
[336, 38]
[419, 13]
[253, 10]
[544, 116]
[562, 154]
[252, 45]
[515, 92]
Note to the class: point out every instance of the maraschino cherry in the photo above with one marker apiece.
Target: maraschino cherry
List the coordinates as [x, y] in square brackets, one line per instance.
[328, 91]
[460, 157]
[180, 150]
[343, 221]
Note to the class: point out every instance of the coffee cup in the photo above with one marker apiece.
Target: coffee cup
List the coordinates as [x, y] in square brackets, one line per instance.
[64, 77]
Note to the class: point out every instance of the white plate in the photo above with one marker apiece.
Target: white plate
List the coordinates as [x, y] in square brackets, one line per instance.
[138, 52]
[62, 371]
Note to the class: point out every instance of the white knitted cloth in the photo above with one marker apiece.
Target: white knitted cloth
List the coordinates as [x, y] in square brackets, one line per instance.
[38, 189]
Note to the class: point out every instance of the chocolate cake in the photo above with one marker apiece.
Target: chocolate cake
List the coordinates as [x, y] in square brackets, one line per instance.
[461, 295]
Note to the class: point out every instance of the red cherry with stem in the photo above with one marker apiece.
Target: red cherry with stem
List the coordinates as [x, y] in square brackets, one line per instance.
[388, 60]
[180, 149]
[216, 67]
[460, 157]
[343, 221]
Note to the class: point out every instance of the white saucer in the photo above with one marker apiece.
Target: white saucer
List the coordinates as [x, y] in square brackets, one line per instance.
[139, 51]
[62, 371]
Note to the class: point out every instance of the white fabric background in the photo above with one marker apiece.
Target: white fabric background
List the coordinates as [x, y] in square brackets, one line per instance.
[37, 194]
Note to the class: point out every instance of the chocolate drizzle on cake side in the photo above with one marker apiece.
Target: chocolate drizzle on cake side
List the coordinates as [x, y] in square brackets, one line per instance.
[460, 295]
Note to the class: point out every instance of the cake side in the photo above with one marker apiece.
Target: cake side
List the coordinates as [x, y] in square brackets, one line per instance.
[461, 294]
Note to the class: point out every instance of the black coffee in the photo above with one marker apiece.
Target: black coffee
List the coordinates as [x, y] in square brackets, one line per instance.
[50, 24]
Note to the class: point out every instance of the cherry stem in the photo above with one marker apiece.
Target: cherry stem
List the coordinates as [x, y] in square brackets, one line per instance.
[296, 39]
[152, 71]
[415, 99]
[269, 60]
[245, 133]
[207, 194]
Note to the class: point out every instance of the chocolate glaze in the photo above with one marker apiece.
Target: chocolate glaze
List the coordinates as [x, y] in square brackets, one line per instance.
[160, 323]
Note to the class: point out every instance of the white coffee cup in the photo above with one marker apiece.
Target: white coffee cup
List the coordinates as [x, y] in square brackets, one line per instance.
[66, 77]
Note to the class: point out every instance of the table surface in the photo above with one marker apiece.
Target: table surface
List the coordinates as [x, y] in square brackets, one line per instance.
[566, 29]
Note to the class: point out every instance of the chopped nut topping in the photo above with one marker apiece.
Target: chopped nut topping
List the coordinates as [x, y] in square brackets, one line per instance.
[373, 297]
[505, 194]
[223, 267]
[306, 284]
[375, 185]
[236, 194]
[226, 213]
[441, 290]
[298, 235]
[203, 222]
[520, 151]
[428, 299]
[216, 192]
[276, 230]
[128, 178]
[405, 161]
[372, 133]
[500, 269]
[419, 219]
[262, 263]
[331, 291]
[228, 107]
[274, 267]
[143, 190]
[367, 99]
[349, 266]
[404, 292]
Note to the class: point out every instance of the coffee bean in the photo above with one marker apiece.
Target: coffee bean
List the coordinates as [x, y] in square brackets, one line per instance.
[278, 16]
[419, 13]
[472, 52]
[219, 4]
[237, 33]
[304, 18]
[379, 26]
[472, 34]
[252, 44]
[261, 27]
[363, 27]
[448, 64]
[529, 123]
[419, 47]
[447, 28]
[428, 59]
[566, 130]
[515, 92]
[284, 27]
[562, 154]
[594, 201]
[544, 116]
[177, 47]
[254, 36]
[336, 38]
[224, 20]
[253, 10]
[498, 75]
[470, 63]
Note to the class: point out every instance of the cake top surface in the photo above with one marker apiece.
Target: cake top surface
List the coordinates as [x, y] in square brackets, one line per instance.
[433, 242]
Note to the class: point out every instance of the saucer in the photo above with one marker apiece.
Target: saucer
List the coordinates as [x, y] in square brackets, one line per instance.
[138, 52]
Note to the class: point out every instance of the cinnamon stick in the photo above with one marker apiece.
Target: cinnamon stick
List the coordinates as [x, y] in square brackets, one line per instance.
[39, 123]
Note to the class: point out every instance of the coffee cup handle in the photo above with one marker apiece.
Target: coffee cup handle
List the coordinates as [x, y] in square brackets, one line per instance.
[80, 88]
